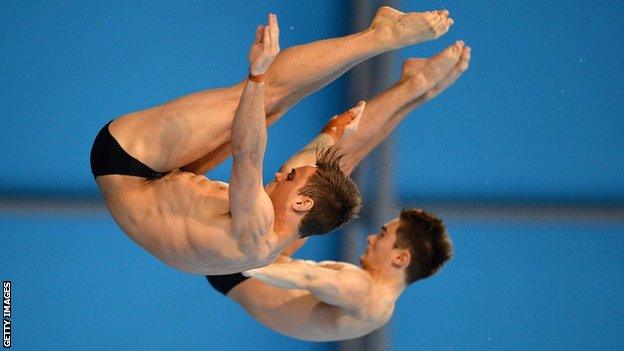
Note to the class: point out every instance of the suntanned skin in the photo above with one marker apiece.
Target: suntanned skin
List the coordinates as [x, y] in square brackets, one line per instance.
[330, 301]
[203, 226]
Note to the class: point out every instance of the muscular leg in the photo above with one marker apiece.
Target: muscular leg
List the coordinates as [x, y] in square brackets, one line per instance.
[421, 80]
[182, 131]
[413, 66]
[302, 70]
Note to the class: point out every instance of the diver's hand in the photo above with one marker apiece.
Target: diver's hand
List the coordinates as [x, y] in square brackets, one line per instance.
[265, 47]
[345, 124]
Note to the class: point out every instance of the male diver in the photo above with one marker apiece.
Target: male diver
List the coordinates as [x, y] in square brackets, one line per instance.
[148, 165]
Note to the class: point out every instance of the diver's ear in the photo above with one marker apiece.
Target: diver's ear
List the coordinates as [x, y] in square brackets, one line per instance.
[402, 258]
[302, 203]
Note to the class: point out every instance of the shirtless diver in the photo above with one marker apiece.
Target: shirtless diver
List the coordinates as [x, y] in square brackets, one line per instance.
[149, 165]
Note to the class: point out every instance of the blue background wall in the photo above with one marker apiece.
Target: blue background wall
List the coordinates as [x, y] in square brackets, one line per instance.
[539, 114]
[538, 118]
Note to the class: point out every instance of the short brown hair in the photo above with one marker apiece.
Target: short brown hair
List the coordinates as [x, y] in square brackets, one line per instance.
[336, 197]
[425, 236]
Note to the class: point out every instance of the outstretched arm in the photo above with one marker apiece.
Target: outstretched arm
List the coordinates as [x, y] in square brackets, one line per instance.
[250, 206]
[345, 288]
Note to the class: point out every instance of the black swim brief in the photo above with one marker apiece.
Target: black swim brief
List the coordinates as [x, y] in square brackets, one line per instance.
[225, 283]
[108, 157]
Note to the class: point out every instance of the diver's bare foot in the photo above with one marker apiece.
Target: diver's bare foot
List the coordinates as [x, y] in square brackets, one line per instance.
[386, 15]
[411, 66]
[397, 29]
[423, 74]
[456, 72]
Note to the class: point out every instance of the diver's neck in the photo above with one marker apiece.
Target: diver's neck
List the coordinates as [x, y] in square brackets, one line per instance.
[286, 231]
[392, 282]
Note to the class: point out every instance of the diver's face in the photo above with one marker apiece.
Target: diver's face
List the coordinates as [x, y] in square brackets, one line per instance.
[380, 248]
[286, 186]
